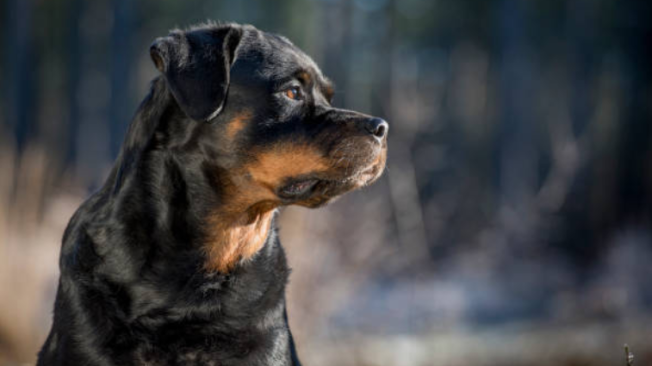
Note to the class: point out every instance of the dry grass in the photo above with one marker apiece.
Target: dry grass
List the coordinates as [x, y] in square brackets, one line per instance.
[32, 220]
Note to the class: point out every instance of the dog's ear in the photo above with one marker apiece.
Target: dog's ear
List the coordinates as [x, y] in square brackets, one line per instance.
[196, 65]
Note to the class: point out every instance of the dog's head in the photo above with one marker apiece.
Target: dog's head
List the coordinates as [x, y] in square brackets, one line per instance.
[262, 120]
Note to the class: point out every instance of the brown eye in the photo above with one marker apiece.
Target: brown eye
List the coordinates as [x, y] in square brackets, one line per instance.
[294, 93]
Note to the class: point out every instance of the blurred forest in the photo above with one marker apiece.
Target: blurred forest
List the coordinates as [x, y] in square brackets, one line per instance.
[513, 225]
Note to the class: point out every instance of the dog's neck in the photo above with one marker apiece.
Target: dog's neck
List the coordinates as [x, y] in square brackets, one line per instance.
[233, 238]
[232, 229]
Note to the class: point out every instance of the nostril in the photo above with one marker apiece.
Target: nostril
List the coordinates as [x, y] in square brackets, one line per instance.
[381, 131]
[377, 127]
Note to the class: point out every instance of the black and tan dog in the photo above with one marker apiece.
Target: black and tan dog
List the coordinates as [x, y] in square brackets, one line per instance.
[176, 261]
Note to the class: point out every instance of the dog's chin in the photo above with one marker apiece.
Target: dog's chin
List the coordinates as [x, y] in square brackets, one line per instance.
[316, 191]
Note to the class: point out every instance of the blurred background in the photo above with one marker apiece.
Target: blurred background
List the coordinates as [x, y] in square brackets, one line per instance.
[513, 225]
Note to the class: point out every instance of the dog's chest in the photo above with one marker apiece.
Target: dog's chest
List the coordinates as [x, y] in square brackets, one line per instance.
[270, 348]
[181, 357]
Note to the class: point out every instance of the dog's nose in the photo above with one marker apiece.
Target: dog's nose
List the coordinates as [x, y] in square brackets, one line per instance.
[377, 127]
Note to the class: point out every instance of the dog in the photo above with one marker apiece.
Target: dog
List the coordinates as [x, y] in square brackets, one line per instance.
[176, 259]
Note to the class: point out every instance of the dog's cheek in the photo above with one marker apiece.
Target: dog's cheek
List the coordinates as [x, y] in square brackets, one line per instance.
[286, 160]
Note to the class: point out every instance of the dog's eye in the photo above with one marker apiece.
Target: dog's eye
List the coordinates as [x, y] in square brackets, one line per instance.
[294, 93]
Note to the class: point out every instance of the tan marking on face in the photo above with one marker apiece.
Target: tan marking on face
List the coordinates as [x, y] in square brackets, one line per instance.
[284, 161]
[237, 124]
[373, 171]
[380, 159]
[378, 167]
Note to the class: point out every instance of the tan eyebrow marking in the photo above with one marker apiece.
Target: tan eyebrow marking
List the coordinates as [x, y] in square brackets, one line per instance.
[328, 92]
[305, 77]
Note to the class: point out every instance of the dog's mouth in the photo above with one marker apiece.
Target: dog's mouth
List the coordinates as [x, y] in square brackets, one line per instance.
[316, 189]
[297, 188]
[312, 192]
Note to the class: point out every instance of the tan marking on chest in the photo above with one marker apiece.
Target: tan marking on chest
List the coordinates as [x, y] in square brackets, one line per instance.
[231, 242]
[286, 161]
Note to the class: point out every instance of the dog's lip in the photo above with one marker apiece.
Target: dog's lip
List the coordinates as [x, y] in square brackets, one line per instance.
[297, 188]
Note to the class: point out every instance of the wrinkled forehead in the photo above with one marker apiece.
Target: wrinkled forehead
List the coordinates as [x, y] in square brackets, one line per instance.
[274, 58]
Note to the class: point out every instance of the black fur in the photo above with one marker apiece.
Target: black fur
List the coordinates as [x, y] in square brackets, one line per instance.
[134, 288]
